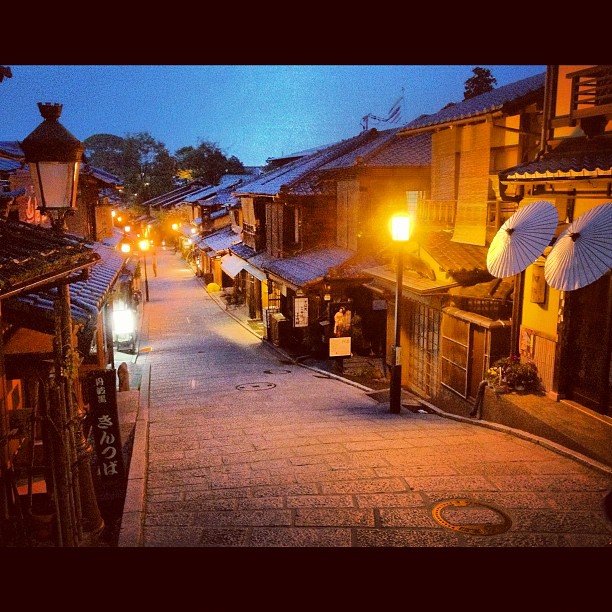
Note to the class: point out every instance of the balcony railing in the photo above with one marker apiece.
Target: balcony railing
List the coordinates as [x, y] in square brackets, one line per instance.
[437, 212]
[252, 238]
[591, 92]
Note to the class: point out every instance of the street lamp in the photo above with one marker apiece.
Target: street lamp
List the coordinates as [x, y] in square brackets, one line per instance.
[54, 156]
[144, 247]
[400, 232]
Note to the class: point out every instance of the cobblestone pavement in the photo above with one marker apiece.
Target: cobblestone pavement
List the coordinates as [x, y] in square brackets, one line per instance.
[239, 447]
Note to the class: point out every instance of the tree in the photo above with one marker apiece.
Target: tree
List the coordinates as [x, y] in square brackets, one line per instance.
[482, 82]
[105, 151]
[148, 167]
[207, 162]
[5, 73]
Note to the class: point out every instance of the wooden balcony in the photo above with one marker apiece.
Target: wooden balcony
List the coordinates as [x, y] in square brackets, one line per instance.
[253, 238]
[591, 92]
[436, 213]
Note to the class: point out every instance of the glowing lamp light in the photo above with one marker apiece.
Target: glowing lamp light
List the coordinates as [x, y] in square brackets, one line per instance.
[400, 227]
[123, 322]
[400, 232]
[125, 247]
[144, 245]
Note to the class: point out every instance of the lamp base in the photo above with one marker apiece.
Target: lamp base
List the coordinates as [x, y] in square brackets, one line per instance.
[395, 390]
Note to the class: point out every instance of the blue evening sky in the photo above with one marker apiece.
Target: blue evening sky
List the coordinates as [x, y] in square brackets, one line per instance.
[250, 111]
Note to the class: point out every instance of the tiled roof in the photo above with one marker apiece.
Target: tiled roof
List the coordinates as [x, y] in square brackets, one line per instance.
[572, 157]
[388, 150]
[30, 254]
[102, 175]
[223, 198]
[199, 194]
[176, 196]
[9, 195]
[197, 190]
[87, 297]
[272, 182]
[115, 239]
[385, 278]
[484, 103]
[296, 155]
[219, 241]
[461, 261]
[9, 165]
[305, 267]
[242, 250]
[11, 148]
[218, 214]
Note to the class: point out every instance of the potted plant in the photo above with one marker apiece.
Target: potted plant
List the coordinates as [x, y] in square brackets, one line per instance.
[514, 373]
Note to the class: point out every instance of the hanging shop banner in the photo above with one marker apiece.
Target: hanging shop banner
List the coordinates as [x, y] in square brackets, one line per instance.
[104, 418]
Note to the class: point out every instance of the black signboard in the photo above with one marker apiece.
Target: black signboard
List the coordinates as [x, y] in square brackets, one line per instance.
[104, 419]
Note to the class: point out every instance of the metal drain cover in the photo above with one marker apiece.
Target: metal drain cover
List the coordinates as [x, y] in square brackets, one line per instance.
[471, 517]
[279, 371]
[256, 386]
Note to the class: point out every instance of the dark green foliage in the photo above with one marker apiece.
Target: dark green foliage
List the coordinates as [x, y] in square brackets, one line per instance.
[482, 82]
[207, 162]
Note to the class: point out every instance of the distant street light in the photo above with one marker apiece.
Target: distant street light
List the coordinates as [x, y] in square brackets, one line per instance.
[144, 247]
[400, 232]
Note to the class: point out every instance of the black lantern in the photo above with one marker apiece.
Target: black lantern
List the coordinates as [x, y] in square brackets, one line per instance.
[54, 156]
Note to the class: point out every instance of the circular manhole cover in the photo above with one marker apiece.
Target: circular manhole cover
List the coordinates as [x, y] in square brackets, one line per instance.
[471, 517]
[256, 386]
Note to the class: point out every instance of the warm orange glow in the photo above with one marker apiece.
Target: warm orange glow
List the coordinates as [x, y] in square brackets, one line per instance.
[113, 213]
[126, 229]
[125, 247]
[400, 227]
[119, 219]
[144, 245]
[175, 226]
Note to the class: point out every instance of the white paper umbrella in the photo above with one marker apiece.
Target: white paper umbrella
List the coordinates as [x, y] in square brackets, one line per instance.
[522, 239]
[583, 252]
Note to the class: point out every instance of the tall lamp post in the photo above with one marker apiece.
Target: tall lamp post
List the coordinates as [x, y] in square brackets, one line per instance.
[400, 232]
[144, 247]
[54, 156]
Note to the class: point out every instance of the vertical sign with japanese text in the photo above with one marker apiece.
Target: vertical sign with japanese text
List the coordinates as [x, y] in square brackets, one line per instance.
[300, 312]
[105, 427]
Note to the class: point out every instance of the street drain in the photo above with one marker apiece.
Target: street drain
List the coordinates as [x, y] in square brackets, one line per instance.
[471, 517]
[257, 386]
[281, 371]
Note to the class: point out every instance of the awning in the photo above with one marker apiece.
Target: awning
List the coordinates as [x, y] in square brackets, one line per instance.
[232, 265]
[256, 272]
[384, 278]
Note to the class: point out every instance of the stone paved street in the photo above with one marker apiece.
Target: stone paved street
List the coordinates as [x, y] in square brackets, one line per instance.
[237, 446]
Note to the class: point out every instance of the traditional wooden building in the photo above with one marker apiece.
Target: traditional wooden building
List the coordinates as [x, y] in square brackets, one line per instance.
[567, 331]
[36, 390]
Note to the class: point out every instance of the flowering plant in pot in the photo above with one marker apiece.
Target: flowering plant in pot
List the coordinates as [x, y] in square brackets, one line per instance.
[511, 371]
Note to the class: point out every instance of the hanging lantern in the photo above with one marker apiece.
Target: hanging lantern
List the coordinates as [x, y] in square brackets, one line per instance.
[54, 156]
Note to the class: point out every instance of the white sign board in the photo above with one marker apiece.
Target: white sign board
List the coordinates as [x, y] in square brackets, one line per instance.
[300, 312]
